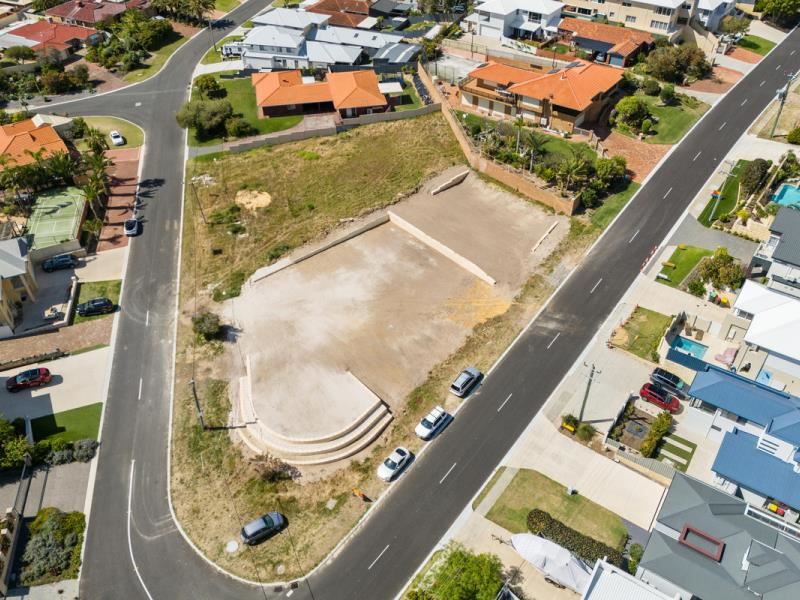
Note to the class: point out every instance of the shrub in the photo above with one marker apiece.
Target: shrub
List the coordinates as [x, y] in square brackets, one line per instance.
[633, 565]
[61, 457]
[54, 548]
[78, 128]
[647, 125]
[676, 63]
[238, 127]
[753, 173]
[585, 432]
[636, 551]
[276, 252]
[586, 548]
[225, 216]
[632, 110]
[651, 87]
[206, 325]
[658, 429]
[570, 420]
[667, 94]
[794, 136]
[696, 287]
[84, 450]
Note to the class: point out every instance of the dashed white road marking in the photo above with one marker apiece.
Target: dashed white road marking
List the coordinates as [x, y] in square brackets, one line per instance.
[721, 127]
[696, 156]
[448, 473]
[762, 83]
[595, 286]
[140, 388]
[147, 319]
[634, 236]
[667, 194]
[553, 341]
[743, 102]
[499, 408]
[372, 564]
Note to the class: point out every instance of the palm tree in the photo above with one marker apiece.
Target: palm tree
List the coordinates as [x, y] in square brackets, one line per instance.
[200, 8]
[534, 142]
[63, 167]
[93, 191]
[571, 170]
[96, 140]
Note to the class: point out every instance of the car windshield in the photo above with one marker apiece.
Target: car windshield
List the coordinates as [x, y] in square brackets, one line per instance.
[255, 526]
[27, 375]
[390, 464]
[426, 423]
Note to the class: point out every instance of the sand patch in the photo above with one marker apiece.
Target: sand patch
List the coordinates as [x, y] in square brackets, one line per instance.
[253, 199]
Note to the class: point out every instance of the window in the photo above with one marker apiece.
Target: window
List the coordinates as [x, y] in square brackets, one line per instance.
[630, 19]
[660, 10]
[626, 4]
[534, 17]
[686, 6]
[659, 25]
[599, 1]
[584, 11]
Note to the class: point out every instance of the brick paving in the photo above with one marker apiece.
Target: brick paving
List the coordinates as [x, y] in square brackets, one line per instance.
[640, 156]
[721, 81]
[68, 339]
[121, 199]
[745, 55]
[103, 79]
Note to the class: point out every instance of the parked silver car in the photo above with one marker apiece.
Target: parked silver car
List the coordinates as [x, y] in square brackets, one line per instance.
[465, 381]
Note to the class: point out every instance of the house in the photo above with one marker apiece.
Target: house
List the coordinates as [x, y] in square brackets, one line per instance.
[43, 36]
[711, 12]
[524, 19]
[90, 12]
[608, 582]
[369, 41]
[617, 46]
[389, 9]
[271, 47]
[707, 544]
[659, 17]
[19, 140]
[561, 100]
[350, 93]
[344, 13]
[17, 282]
[779, 257]
[291, 19]
[398, 54]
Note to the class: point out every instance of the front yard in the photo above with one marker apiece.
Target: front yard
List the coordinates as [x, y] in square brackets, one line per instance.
[530, 489]
[728, 199]
[642, 332]
[683, 259]
[71, 425]
[674, 120]
[97, 289]
[134, 137]
[756, 44]
[157, 58]
[213, 56]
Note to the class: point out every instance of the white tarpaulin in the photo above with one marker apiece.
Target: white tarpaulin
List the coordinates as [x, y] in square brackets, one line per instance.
[555, 562]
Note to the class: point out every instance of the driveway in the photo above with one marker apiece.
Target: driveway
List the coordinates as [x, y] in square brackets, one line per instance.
[124, 179]
[691, 232]
[77, 381]
[640, 156]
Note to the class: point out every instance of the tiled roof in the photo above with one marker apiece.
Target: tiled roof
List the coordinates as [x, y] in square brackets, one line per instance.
[502, 74]
[53, 35]
[624, 40]
[345, 13]
[354, 89]
[16, 138]
[572, 87]
[787, 223]
[86, 11]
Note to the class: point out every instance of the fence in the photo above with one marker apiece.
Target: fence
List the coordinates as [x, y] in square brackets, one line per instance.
[389, 116]
[12, 528]
[651, 464]
[29, 360]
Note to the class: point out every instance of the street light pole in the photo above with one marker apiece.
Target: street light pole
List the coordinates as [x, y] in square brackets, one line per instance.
[782, 93]
[197, 406]
[588, 387]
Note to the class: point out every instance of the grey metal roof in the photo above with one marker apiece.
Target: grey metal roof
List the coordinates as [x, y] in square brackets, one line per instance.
[773, 560]
[397, 53]
[787, 224]
[13, 261]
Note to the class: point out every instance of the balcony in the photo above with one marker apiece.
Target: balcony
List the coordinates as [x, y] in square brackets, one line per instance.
[472, 86]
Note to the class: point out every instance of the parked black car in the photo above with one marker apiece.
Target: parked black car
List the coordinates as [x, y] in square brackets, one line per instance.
[262, 528]
[95, 306]
[669, 381]
[56, 263]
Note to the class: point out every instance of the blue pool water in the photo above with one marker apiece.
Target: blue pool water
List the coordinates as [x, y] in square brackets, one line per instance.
[688, 346]
[787, 195]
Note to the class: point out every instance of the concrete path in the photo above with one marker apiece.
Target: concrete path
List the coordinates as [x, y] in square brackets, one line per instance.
[63, 590]
[225, 65]
[497, 490]
[102, 266]
[762, 29]
[732, 63]
[707, 97]
[752, 146]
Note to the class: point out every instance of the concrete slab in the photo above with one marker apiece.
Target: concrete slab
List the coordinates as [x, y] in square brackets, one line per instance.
[103, 266]
[77, 381]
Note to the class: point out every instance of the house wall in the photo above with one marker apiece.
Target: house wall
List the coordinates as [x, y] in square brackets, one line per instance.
[491, 107]
[8, 296]
[712, 20]
[785, 271]
[635, 16]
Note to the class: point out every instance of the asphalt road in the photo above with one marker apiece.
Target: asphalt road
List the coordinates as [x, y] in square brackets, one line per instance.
[144, 556]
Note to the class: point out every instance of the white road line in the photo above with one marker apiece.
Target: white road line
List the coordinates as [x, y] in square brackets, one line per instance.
[140, 388]
[553, 341]
[667, 194]
[792, 53]
[147, 319]
[762, 83]
[743, 102]
[372, 564]
[130, 545]
[499, 408]
[778, 67]
[696, 156]
[595, 286]
[721, 127]
[449, 471]
[634, 236]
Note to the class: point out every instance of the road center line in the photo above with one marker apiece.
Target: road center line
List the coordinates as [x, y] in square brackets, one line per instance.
[499, 408]
[792, 53]
[667, 194]
[778, 67]
[595, 286]
[634, 236]
[147, 319]
[553, 341]
[721, 127]
[130, 545]
[743, 102]
[372, 564]
[696, 156]
[450, 469]
[761, 84]
[140, 388]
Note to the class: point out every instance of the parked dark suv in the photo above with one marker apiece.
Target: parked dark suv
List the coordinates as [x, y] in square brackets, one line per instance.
[95, 306]
[56, 263]
[29, 379]
[670, 382]
[262, 528]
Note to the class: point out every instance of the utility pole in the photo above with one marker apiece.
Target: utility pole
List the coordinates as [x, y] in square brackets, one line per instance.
[197, 406]
[782, 93]
[592, 373]
[197, 201]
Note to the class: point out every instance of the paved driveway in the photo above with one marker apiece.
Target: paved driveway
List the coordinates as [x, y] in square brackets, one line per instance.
[690, 232]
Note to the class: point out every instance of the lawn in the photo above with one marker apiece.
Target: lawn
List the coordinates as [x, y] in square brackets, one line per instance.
[530, 489]
[70, 425]
[611, 206]
[97, 289]
[213, 56]
[134, 137]
[684, 457]
[729, 197]
[673, 121]
[685, 259]
[641, 334]
[756, 44]
[242, 95]
[157, 59]
[226, 5]
[410, 99]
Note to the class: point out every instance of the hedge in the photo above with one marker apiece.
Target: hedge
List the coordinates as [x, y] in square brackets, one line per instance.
[586, 548]
[657, 431]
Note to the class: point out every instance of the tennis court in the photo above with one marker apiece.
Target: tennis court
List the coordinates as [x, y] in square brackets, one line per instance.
[56, 216]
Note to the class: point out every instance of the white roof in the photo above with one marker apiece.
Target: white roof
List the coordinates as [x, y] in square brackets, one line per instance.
[294, 19]
[507, 7]
[321, 52]
[367, 23]
[269, 35]
[394, 87]
[354, 37]
[610, 583]
[710, 4]
[664, 3]
[554, 561]
[776, 319]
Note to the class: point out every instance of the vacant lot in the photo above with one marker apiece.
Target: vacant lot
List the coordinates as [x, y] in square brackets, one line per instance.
[641, 333]
[530, 489]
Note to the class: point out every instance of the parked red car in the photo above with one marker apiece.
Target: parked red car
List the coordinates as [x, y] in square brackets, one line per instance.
[29, 379]
[660, 397]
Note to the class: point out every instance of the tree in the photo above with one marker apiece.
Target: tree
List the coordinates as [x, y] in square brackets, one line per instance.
[732, 25]
[238, 127]
[206, 325]
[783, 12]
[62, 167]
[632, 110]
[676, 63]
[721, 270]
[651, 87]
[753, 174]
[19, 53]
[463, 575]
[207, 117]
[207, 85]
[609, 171]
[667, 94]
[572, 170]
[96, 140]
[43, 5]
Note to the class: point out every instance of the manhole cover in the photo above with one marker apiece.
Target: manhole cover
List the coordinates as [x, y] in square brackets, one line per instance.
[231, 547]
[280, 569]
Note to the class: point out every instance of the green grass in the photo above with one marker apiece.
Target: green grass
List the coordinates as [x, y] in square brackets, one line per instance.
[558, 48]
[642, 333]
[157, 59]
[88, 349]
[673, 121]
[728, 197]
[134, 137]
[213, 57]
[680, 452]
[226, 5]
[530, 489]
[98, 289]
[684, 260]
[488, 487]
[242, 95]
[611, 206]
[410, 98]
[70, 425]
[756, 44]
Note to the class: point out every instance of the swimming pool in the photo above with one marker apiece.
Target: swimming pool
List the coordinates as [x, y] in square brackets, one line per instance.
[688, 346]
[787, 195]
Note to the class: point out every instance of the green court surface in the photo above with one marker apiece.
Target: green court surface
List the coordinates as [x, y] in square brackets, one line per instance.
[56, 216]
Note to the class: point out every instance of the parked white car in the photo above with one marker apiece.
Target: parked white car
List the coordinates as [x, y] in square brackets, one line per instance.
[116, 138]
[395, 463]
[432, 423]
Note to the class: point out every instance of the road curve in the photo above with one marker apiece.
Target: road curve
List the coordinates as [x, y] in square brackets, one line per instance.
[146, 557]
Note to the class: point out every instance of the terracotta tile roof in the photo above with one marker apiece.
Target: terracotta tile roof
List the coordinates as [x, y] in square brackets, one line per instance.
[345, 13]
[609, 34]
[502, 74]
[53, 35]
[354, 89]
[16, 138]
[572, 88]
[624, 48]
[88, 11]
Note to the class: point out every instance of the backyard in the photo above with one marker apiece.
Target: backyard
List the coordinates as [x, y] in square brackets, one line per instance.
[157, 58]
[97, 289]
[728, 198]
[677, 451]
[642, 332]
[756, 44]
[70, 425]
[409, 99]
[683, 260]
[530, 489]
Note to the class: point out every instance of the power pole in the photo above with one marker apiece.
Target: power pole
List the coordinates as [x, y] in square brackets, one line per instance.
[588, 387]
[197, 406]
[197, 201]
[782, 93]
